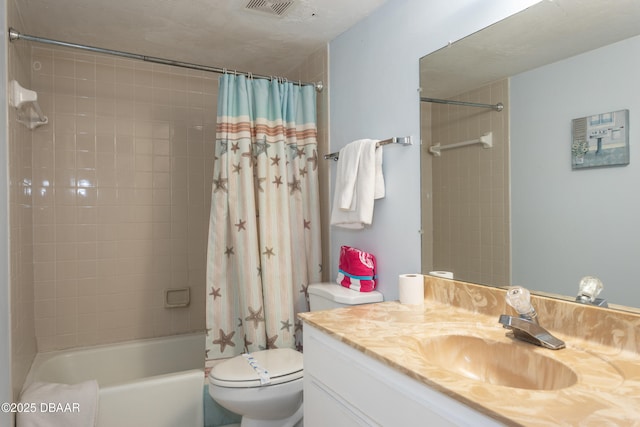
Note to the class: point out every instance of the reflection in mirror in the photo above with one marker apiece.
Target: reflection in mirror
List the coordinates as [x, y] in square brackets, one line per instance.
[516, 212]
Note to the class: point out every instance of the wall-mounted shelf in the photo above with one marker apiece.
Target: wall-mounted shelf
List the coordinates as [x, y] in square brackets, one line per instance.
[26, 101]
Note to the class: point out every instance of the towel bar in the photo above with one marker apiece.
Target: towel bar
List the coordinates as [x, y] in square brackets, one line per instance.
[486, 140]
[402, 140]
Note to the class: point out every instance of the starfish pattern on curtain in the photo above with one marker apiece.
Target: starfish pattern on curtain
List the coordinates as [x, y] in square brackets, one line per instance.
[264, 226]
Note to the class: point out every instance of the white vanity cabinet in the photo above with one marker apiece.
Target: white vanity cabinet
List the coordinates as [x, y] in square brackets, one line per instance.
[344, 387]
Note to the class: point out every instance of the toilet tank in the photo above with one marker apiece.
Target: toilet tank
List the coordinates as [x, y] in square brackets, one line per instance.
[325, 296]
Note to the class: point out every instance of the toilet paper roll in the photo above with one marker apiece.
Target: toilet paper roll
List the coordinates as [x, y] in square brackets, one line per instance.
[443, 274]
[411, 289]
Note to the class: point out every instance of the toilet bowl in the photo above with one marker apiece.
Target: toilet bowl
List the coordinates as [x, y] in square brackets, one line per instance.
[236, 385]
[274, 399]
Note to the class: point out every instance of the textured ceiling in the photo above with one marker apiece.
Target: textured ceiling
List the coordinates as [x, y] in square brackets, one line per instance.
[218, 33]
[542, 34]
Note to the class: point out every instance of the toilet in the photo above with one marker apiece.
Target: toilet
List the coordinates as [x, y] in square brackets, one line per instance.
[235, 384]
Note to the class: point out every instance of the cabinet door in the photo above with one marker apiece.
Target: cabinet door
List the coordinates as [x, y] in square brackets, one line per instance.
[323, 407]
[371, 393]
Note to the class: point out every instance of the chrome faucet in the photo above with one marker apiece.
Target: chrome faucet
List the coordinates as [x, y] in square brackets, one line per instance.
[526, 326]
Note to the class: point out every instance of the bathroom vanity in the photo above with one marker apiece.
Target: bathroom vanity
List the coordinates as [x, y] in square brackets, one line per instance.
[344, 387]
[451, 363]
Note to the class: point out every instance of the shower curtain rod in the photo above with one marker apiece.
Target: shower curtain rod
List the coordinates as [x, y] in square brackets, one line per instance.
[16, 35]
[498, 107]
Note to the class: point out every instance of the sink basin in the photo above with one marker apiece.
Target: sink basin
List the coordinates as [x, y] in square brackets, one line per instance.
[498, 363]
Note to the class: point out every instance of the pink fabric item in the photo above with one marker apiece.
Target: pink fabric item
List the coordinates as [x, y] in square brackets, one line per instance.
[357, 270]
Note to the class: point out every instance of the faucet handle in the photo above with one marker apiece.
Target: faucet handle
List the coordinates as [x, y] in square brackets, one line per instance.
[590, 288]
[520, 299]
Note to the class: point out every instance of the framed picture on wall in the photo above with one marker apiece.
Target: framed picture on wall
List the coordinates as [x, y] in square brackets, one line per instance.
[600, 140]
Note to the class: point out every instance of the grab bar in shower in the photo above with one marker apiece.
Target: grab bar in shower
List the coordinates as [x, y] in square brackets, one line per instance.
[486, 140]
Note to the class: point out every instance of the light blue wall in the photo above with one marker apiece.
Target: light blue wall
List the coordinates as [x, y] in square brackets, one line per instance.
[373, 93]
[568, 224]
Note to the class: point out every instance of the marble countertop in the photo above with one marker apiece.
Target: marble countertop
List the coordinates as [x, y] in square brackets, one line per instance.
[607, 391]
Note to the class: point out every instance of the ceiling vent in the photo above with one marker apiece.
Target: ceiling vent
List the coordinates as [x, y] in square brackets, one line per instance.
[270, 7]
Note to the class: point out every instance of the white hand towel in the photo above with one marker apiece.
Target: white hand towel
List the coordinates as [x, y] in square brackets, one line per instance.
[60, 405]
[359, 181]
[346, 175]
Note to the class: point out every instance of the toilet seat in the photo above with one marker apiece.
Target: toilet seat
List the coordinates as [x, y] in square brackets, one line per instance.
[282, 364]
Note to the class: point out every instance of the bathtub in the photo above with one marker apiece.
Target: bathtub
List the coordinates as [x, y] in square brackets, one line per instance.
[155, 382]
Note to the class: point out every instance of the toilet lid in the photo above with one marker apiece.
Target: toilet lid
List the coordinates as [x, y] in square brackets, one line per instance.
[282, 365]
[342, 295]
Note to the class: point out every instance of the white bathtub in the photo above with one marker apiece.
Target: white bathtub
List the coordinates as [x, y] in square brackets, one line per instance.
[156, 382]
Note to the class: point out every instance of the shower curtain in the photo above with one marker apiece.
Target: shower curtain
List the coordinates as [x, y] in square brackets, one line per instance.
[264, 227]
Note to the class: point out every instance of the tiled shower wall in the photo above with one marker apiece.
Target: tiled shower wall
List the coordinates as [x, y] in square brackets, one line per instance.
[121, 194]
[426, 189]
[471, 189]
[23, 340]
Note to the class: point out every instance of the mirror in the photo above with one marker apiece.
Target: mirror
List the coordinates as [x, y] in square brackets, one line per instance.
[517, 212]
